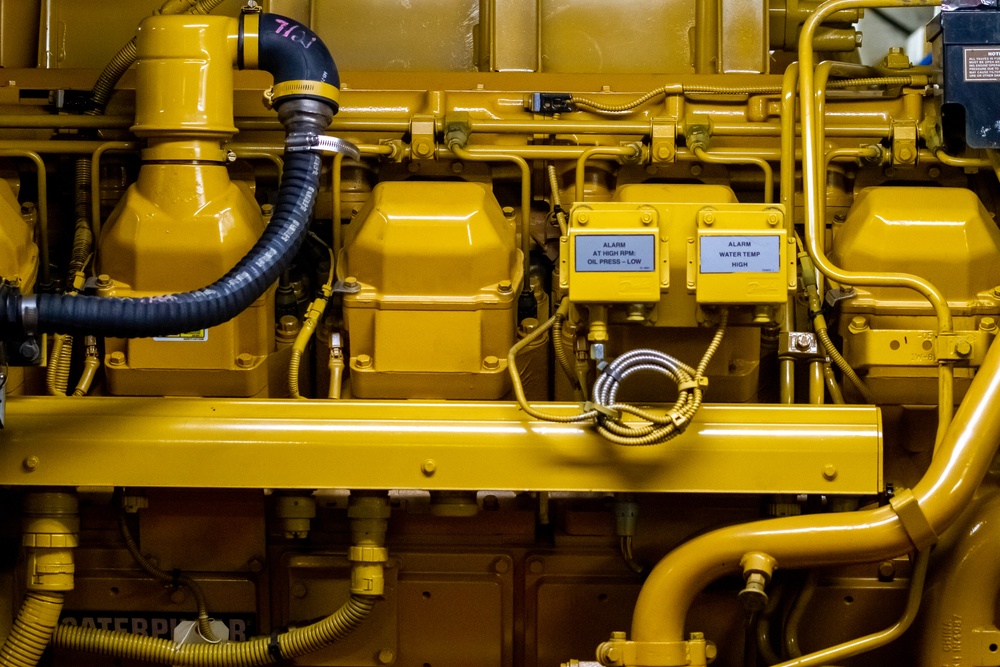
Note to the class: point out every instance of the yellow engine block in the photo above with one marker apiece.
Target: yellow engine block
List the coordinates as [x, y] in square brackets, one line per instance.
[520, 334]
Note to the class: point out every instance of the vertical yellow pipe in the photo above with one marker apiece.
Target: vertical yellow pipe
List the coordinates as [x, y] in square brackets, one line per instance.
[786, 194]
[43, 207]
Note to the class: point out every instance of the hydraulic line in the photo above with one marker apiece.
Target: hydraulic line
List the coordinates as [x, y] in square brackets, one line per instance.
[57, 372]
[172, 579]
[32, 630]
[313, 315]
[91, 362]
[556, 204]
[678, 89]
[257, 651]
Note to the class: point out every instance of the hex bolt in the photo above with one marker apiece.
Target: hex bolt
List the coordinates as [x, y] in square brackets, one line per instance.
[858, 324]
[428, 467]
[963, 348]
[830, 472]
[299, 590]
[491, 363]
[386, 656]
[505, 287]
[30, 463]
[363, 361]
[708, 219]
[646, 217]
[103, 281]
[583, 218]
[244, 360]
[988, 324]
[886, 570]
[116, 359]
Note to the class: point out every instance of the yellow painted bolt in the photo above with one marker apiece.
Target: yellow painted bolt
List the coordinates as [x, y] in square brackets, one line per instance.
[30, 463]
[963, 348]
[772, 219]
[988, 324]
[505, 287]
[583, 218]
[364, 361]
[428, 467]
[350, 281]
[663, 152]
[697, 636]
[905, 154]
[386, 656]
[830, 472]
[618, 635]
[244, 360]
[646, 217]
[709, 219]
[886, 569]
[422, 149]
[116, 359]
[491, 363]
[103, 280]
[501, 566]
[858, 324]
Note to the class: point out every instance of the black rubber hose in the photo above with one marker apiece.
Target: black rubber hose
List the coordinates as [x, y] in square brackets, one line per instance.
[291, 51]
[209, 306]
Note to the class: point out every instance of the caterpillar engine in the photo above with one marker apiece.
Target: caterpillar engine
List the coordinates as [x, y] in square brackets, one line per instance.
[498, 332]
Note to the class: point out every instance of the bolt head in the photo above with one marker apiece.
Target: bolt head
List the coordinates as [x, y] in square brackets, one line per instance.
[363, 361]
[116, 359]
[244, 360]
[830, 472]
[963, 348]
[428, 467]
[30, 463]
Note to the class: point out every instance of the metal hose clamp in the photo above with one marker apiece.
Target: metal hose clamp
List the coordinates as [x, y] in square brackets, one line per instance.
[297, 142]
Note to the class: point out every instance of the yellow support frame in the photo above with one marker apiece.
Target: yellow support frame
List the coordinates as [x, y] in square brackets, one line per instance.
[180, 442]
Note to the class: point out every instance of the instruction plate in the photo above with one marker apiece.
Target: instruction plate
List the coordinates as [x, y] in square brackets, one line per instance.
[615, 253]
[740, 254]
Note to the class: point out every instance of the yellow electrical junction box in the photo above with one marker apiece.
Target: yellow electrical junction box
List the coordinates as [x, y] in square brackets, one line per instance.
[741, 255]
[613, 254]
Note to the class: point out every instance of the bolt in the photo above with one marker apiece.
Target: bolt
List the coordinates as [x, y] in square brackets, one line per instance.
[708, 219]
[413, 168]
[646, 217]
[508, 211]
[963, 348]
[905, 154]
[886, 570]
[895, 50]
[996, 291]
[491, 503]
[178, 597]
[858, 324]
[457, 167]
[116, 359]
[255, 565]
[830, 472]
[29, 349]
[583, 218]
[536, 566]
[802, 343]
[839, 217]
[299, 590]
[618, 635]
[103, 281]
[422, 149]
[363, 361]
[266, 210]
[696, 169]
[501, 566]
[491, 363]
[244, 360]
[988, 324]
[697, 636]
[890, 172]
[933, 172]
[772, 219]
[386, 656]
[30, 463]
[428, 467]
[350, 281]
[230, 156]
[663, 152]
[505, 287]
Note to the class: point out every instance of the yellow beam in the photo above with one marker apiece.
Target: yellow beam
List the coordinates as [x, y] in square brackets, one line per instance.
[180, 442]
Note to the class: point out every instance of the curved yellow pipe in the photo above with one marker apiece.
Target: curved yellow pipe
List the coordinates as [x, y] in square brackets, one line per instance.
[716, 158]
[963, 457]
[581, 162]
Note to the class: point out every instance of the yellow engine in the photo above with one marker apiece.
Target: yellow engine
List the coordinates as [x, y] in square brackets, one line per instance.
[514, 334]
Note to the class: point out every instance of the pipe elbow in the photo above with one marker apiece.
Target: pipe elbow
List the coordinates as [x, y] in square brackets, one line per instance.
[295, 56]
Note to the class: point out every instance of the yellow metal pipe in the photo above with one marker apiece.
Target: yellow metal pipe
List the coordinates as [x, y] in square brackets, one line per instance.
[960, 162]
[60, 146]
[721, 158]
[963, 458]
[95, 184]
[338, 224]
[786, 195]
[581, 163]
[480, 155]
[43, 206]
[817, 382]
[813, 178]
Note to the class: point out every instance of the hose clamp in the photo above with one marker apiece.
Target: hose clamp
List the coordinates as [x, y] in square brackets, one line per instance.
[298, 142]
[29, 314]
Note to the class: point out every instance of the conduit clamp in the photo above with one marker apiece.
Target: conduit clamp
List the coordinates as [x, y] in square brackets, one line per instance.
[913, 519]
[297, 142]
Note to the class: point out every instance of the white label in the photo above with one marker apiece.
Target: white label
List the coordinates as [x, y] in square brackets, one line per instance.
[199, 336]
[740, 254]
[616, 253]
[982, 64]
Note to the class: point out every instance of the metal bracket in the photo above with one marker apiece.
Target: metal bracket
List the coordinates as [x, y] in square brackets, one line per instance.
[299, 142]
[798, 345]
[904, 143]
[618, 652]
[663, 138]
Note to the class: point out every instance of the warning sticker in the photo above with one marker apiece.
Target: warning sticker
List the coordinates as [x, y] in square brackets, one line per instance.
[199, 336]
[616, 253]
[740, 254]
[982, 64]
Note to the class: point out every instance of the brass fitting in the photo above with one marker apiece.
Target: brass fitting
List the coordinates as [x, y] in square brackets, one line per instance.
[369, 515]
[51, 532]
